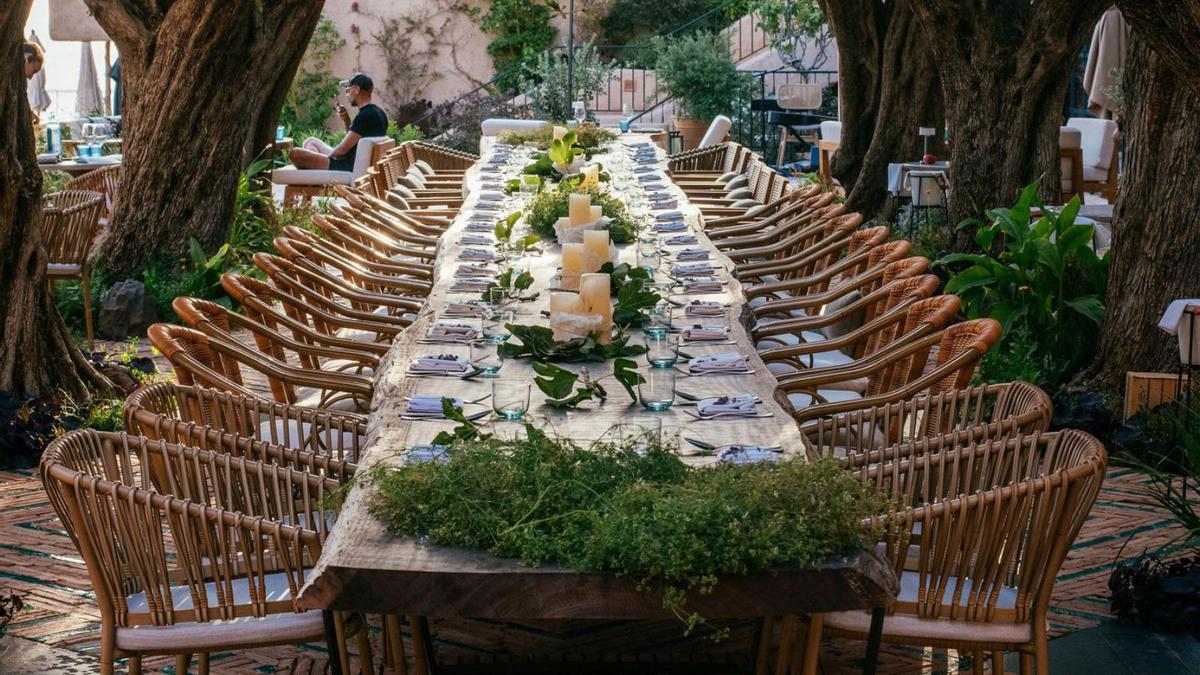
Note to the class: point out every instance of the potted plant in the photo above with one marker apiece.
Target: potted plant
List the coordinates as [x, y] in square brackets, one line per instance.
[698, 74]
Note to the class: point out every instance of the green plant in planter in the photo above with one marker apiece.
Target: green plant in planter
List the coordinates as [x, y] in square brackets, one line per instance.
[1038, 275]
[545, 81]
[697, 72]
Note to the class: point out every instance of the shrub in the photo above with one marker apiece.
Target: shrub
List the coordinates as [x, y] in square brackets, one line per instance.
[1039, 276]
[698, 73]
[545, 82]
[520, 30]
[588, 137]
[547, 207]
[460, 125]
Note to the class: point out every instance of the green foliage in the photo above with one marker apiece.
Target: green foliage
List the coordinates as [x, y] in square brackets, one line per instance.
[698, 73]
[588, 137]
[556, 383]
[1165, 445]
[54, 181]
[545, 81]
[1043, 278]
[634, 510]
[632, 298]
[461, 124]
[508, 283]
[537, 342]
[410, 132]
[546, 208]
[520, 31]
[251, 231]
[310, 100]
[105, 415]
[634, 21]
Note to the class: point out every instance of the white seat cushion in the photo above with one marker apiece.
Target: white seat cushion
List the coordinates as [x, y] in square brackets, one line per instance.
[739, 193]
[290, 175]
[831, 131]
[423, 166]
[1096, 140]
[738, 182]
[726, 177]
[746, 204]
[351, 366]
[1094, 174]
[295, 434]
[213, 635]
[62, 269]
[802, 400]
[310, 397]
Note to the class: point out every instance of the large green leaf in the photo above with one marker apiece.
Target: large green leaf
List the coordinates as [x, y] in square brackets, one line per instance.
[1089, 306]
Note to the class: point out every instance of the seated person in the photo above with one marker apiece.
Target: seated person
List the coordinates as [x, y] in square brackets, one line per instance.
[370, 121]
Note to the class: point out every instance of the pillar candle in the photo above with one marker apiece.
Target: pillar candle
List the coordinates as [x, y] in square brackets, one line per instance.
[579, 209]
[559, 132]
[595, 247]
[572, 265]
[597, 212]
[595, 295]
[565, 303]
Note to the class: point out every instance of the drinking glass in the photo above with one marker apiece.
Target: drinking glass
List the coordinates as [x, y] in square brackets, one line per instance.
[626, 118]
[639, 432]
[648, 256]
[485, 355]
[657, 319]
[280, 131]
[495, 327]
[662, 349]
[657, 390]
[510, 399]
[580, 111]
[495, 297]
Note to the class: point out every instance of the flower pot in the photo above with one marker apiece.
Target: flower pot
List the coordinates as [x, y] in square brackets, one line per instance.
[691, 131]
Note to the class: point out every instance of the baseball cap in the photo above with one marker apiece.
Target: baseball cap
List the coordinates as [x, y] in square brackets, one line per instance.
[359, 80]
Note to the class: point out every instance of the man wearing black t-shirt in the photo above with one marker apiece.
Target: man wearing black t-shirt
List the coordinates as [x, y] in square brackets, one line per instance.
[370, 121]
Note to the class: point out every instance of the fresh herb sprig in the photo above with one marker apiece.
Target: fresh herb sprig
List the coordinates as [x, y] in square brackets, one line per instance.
[508, 283]
[537, 342]
[556, 383]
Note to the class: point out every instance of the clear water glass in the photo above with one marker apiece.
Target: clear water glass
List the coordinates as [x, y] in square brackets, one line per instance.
[495, 328]
[657, 390]
[648, 256]
[657, 319]
[485, 355]
[510, 399]
[662, 349]
[639, 432]
[580, 111]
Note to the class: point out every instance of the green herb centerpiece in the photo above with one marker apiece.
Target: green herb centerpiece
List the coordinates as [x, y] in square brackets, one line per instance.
[546, 208]
[635, 510]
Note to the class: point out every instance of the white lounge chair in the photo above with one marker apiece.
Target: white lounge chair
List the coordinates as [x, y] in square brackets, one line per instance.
[304, 184]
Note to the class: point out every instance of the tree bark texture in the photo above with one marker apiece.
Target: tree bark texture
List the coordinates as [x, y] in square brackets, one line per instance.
[37, 354]
[1156, 240]
[1004, 68]
[203, 85]
[888, 86]
[1172, 29]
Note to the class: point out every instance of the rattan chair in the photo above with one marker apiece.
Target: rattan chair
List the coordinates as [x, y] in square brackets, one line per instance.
[105, 181]
[977, 536]
[69, 222]
[387, 278]
[190, 551]
[334, 286]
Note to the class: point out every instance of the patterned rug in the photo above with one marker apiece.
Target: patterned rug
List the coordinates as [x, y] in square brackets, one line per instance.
[38, 561]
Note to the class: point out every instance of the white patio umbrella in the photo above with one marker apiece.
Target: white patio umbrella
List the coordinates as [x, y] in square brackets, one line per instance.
[1107, 53]
[35, 89]
[87, 98]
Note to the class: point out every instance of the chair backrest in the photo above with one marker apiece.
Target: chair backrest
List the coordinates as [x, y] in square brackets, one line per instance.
[224, 422]
[1097, 141]
[831, 131]
[924, 318]
[370, 149]
[438, 157]
[495, 125]
[314, 289]
[799, 95]
[1070, 152]
[105, 180]
[992, 523]
[69, 221]
[126, 501]
[718, 129]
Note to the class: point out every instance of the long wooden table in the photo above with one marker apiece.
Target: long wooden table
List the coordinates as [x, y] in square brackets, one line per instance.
[364, 568]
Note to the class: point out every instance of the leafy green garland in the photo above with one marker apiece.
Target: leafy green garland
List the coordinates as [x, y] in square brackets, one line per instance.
[537, 342]
[588, 137]
[635, 510]
[546, 208]
[556, 383]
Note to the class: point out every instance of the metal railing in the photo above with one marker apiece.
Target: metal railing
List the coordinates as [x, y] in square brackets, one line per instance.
[750, 127]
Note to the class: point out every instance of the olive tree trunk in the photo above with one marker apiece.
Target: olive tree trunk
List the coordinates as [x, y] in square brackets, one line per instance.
[1004, 68]
[37, 354]
[203, 84]
[1156, 238]
[888, 87]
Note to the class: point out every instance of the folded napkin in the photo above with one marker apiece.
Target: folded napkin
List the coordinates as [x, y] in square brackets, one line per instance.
[469, 285]
[742, 404]
[477, 239]
[660, 186]
[457, 332]
[692, 254]
[429, 405]
[674, 226]
[1173, 317]
[729, 362]
[687, 269]
[644, 169]
[682, 240]
[491, 196]
[746, 454]
[669, 215]
[425, 453]
[487, 210]
[481, 226]
[489, 168]
[704, 308]
[472, 270]
[660, 196]
[468, 308]
[48, 157]
[701, 286]
[438, 363]
[476, 254]
[649, 177]
[701, 333]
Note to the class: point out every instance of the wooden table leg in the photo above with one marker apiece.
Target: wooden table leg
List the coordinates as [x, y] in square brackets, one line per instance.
[331, 643]
[873, 639]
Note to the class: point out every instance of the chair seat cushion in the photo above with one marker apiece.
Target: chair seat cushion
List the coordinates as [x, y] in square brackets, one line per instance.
[213, 635]
[352, 366]
[290, 175]
[62, 269]
[746, 204]
[1094, 174]
[801, 400]
[423, 166]
[296, 435]
[310, 397]
[819, 360]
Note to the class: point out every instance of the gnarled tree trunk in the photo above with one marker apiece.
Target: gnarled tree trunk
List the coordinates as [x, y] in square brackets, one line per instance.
[37, 355]
[1156, 241]
[888, 86]
[203, 85]
[1004, 69]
